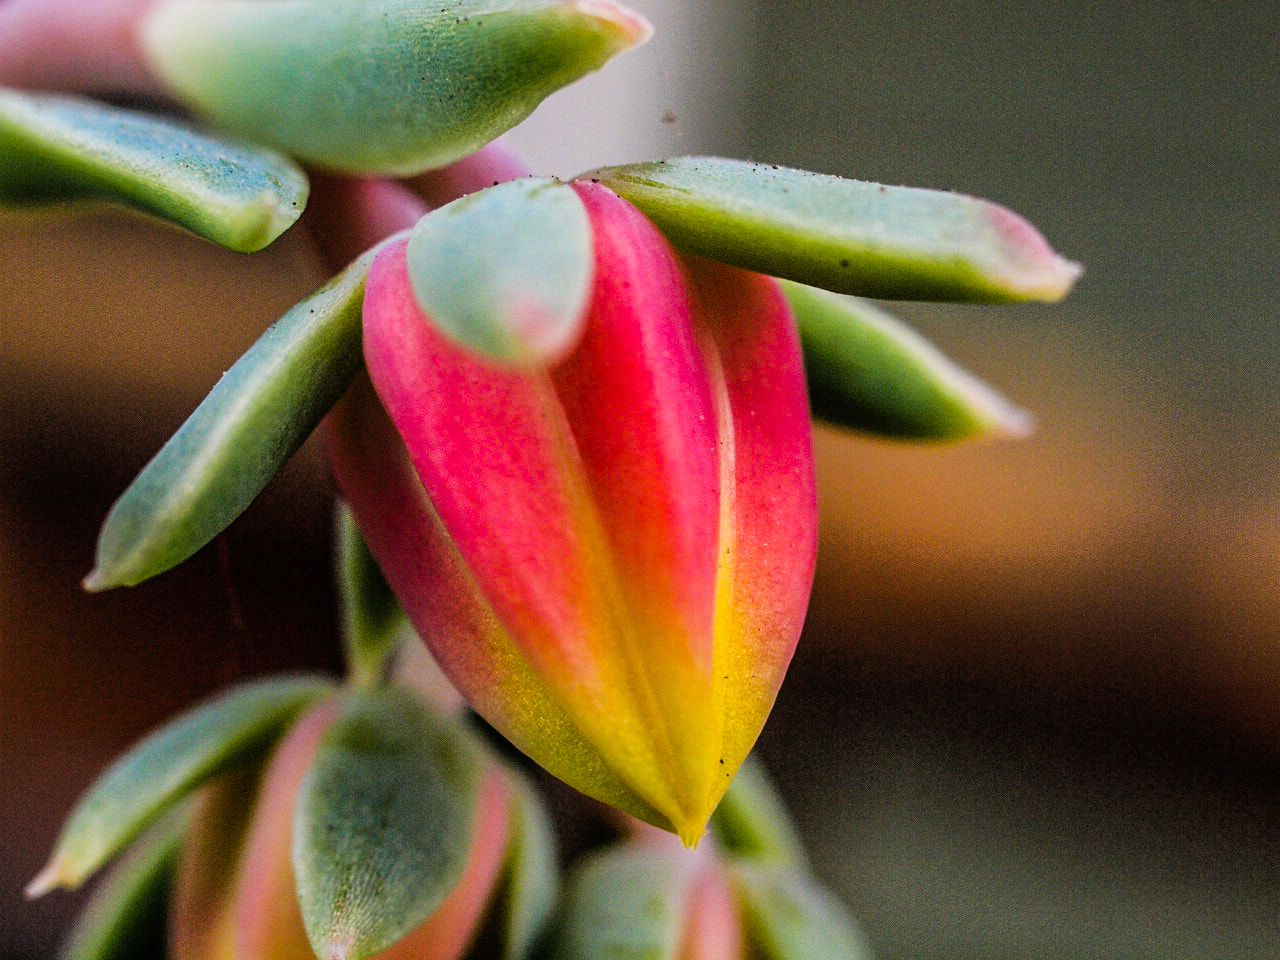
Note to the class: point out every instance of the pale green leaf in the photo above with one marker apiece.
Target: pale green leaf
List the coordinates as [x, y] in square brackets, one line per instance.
[530, 880]
[897, 243]
[869, 371]
[127, 918]
[374, 624]
[790, 917]
[383, 824]
[752, 821]
[56, 148]
[253, 420]
[507, 271]
[379, 86]
[166, 767]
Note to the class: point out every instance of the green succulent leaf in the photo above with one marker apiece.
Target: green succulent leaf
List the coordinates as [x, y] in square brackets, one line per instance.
[752, 822]
[626, 901]
[790, 917]
[56, 148]
[530, 881]
[253, 420]
[896, 243]
[373, 622]
[379, 86]
[507, 271]
[127, 917]
[869, 371]
[383, 823]
[166, 767]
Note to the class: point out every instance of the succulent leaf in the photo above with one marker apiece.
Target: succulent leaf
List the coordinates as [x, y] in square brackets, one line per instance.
[868, 371]
[373, 623]
[507, 271]
[531, 880]
[166, 767]
[383, 824]
[791, 917]
[379, 86]
[850, 236]
[127, 916]
[253, 420]
[56, 148]
[752, 822]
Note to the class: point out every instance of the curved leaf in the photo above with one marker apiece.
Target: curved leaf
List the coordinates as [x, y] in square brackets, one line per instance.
[383, 823]
[507, 271]
[531, 875]
[253, 420]
[790, 917]
[167, 766]
[127, 917]
[56, 148]
[373, 623]
[896, 243]
[752, 821]
[869, 371]
[379, 86]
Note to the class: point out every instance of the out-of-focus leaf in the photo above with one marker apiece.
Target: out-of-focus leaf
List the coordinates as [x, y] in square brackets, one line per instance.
[752, 821]
[627, 901]
[868, 371]
[897, 243]
[379, 86]
[373, 622]
[167, 766]
[56, 148]
[507, 271]
[253, 420]
[531, 875]
[127, 916]
[383, 823]
[790, 917]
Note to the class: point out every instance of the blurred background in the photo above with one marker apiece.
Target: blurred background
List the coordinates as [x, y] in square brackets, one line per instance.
[1034, 714]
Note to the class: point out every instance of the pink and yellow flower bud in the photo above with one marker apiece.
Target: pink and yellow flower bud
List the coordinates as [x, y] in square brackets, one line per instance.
[611, 558]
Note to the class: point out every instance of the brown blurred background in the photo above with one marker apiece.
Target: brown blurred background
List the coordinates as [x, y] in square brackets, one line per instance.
[1035, 712]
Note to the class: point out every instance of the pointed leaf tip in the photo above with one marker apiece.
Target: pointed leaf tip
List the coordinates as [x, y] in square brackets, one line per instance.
[631, 29]
[56, 873]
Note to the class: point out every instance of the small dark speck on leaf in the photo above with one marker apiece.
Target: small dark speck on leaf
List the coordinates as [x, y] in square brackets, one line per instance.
[844, 264]
[670, 116]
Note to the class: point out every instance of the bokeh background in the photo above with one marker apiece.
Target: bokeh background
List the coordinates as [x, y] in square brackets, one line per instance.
[1035, 711]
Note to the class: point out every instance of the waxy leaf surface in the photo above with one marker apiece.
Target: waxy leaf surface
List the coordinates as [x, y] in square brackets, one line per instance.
[383, 824]
[869, 371]
[253, 420]
[507, 271]
[127, 918]
[379, 86]
[790, 917]
[57, 148]
[167, 766]
[897, 243]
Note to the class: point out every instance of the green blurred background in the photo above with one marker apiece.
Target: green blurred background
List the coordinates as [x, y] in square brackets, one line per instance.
[1035, 711]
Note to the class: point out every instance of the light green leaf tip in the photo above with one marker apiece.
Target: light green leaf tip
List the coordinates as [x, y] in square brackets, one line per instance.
[57, 148]
[379, 86]
[507, 271]
[374, 624]
[790, 917]
[167, 766]
[850, 236]
[868, 371]
[127, 918]
[383, 823]
[752, 822]
[253, 420]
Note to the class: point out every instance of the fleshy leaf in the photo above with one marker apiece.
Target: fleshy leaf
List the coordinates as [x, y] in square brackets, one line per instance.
[752, 822]
[507, 271]
[850, 236]
[790, 917]
[56, 148]
[530, 882]
[253, 420]
[383, 823]
[379, 86]
[373, 623]
[869, 371]
[127, 916]
[167, 766]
